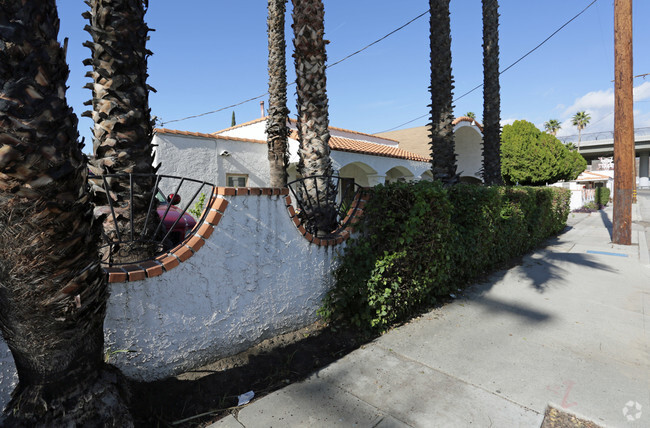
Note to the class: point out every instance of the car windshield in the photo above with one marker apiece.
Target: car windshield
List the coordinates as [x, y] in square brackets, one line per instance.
[161, 197]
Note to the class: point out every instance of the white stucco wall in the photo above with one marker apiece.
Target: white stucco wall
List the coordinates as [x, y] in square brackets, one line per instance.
[199, 158]
[380, 164]
[256, 131]
[469, 151]
[256, 277]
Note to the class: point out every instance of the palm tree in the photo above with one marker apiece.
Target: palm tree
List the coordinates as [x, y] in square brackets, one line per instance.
[443, 157]
[52, 289]
[123, 126]
[580, 120]
[491, 95]
[552, 126]
[276, 124]
[313, 118]
[470, 114]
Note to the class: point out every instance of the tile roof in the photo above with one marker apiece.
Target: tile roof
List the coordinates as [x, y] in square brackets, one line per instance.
[336, 143]
[357, 146]
[202, 135]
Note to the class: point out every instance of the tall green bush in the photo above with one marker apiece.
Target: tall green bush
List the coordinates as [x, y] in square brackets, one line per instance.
[602, 195]
[418, 242]
[532, 157]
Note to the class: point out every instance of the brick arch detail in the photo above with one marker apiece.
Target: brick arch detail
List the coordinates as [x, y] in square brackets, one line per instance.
[342, 234]
[202, 231]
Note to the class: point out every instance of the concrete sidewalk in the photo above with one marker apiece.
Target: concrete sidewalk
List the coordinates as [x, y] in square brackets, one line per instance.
[569, 326]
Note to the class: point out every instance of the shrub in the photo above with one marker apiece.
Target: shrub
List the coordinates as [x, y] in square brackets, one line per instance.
[532, 157]
[602, 195]
[417, 242]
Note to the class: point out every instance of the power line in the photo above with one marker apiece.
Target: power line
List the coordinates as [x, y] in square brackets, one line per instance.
[293, 83]
[508, 67]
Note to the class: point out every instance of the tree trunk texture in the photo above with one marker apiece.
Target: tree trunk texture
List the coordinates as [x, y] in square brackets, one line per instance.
[491, 95]
[443, 156]
[276, 125]
[52, 289]
[123, 127]
[313, 119]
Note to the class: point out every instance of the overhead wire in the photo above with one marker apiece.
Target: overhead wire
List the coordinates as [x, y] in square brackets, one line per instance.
[507, 68]
[293, 83]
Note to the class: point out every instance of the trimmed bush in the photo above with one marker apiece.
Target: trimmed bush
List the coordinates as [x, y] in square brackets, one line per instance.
[534, 158]
[602, 196]
[418, 242]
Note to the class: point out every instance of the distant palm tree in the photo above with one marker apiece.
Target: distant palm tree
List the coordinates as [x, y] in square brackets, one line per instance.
[580, 120]
[276, 124]
[552, 126]
[470, 114]
[53, 291]
[491, 95]
[443, 156]
[313, 118]
[123, 126]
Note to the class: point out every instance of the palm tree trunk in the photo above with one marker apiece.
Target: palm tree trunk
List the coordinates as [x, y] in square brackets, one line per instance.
[276, 124]
[579, 138]
[491, 95]
[123, 126]
[313, 119]
[52, 289]
[443, 156]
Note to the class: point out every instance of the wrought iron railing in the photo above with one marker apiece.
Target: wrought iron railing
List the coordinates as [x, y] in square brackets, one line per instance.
[126, 237]
[324, 202]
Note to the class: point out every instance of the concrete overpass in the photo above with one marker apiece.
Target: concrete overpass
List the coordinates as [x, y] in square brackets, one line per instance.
[601, 144]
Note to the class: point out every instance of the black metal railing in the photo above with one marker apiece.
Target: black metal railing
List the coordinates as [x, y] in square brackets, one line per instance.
[126, 238]
[323, 202]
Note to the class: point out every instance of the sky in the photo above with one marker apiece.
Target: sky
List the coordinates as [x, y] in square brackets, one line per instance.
[210, 54]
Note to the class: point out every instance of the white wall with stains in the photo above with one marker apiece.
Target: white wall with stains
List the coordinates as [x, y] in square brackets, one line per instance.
[256, 277]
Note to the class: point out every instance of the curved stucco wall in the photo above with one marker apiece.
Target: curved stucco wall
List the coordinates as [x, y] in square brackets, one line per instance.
[256, 277]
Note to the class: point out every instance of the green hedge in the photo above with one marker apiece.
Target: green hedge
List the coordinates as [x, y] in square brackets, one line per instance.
[418, 242]
[602, 195]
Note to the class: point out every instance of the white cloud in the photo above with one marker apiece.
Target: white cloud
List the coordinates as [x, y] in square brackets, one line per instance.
[600, 106]
[642, 92]
[505, 122]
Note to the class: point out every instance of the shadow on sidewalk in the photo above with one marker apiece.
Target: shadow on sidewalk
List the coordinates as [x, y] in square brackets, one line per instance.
[545, 270]
[607, 222]
[493, 305]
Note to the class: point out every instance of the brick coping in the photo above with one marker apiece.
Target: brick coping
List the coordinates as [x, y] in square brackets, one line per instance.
[202, 231]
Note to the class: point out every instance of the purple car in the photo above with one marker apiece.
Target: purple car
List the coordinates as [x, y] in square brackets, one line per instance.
[186, 223]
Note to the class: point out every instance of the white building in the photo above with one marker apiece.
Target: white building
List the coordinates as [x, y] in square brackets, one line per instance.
[237, 156]
[468, 140]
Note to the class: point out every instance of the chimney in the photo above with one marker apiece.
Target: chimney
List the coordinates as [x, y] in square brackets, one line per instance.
[262, 108]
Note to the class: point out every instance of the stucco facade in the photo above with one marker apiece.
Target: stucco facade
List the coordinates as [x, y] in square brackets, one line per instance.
[468, 142]
[369, 159]
[257, 275]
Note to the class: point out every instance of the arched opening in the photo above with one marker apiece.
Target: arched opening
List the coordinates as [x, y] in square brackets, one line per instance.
[398, 173]
[427, 175]
[468, 143]
[358, 171]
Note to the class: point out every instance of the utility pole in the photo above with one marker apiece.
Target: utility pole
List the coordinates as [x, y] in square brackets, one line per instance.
[624, 179]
